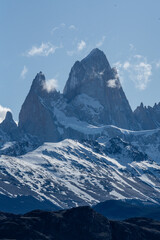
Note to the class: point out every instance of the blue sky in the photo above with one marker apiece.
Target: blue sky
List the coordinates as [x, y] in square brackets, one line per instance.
[49, 36]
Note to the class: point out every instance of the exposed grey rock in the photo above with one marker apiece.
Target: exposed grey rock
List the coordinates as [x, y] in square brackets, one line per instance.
[94, 78]
[148, 117]
[35, 118]
[8, 125]
[8, 129]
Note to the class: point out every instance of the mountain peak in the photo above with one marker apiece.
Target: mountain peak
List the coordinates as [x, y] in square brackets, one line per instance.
[96, 60]
[141, 105]
[95, 52]
[9, 116]
[8, 123]
[38, 85]
[92, 70]
[40, 77]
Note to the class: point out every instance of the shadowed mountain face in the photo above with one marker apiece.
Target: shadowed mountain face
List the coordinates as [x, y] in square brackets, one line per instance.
[35, 118]
[129, 208]
[78, 223]
[9, 129]
[93, 94]
[8, 125]
[148, 117]
[89, 157]
[94, 77]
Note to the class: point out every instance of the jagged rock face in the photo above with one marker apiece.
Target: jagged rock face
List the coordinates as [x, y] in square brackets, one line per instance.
[92, 95]
[93, 77]
[9, 129]
[8, 125]
[148, 117]
[35, 118]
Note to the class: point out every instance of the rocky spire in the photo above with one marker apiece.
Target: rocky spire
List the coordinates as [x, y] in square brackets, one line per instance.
[94, 77]
[93, 69]
[8, 124]
[148, 117]
[35, 117]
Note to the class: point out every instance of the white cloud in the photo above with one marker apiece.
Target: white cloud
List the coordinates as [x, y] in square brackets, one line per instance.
[70, 53]
[78, 47]
[142, 71]
[132, 47]
[43, 50]
[81, 45]
[113, 83]
[100, 43]
[72, 27]
[138, 56]
[137, 69]
[54, 29]
[119, 68]
[24, 72]
[126, 65]
[63, 25]
[50, 85]
[3, 111]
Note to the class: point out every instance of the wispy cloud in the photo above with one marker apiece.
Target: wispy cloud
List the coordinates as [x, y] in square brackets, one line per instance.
[63, 25]
[158, 64]
[132, 47]
[43, 50]
[54, 29]
[100, 43]
[143, 71]
[81, 45]
[50, 85]
[70, 53]
[126, 65]
[120, 70]
[138, 56]
[137, 69]
[72, 27]
[3, 111]
[24, 72]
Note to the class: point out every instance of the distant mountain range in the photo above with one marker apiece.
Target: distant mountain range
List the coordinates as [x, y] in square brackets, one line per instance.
[82, 146]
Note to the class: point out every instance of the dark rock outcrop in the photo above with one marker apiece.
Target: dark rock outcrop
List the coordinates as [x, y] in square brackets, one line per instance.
[94, 77]
[35, 117]
[9, 127]
[78, 223]
[148, 117]
[128, 208]
[93, 94]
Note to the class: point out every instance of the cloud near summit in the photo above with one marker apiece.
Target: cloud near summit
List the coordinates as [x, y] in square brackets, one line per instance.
[3, 111]
[81, 45]
[137, 69]
[24, 72]
[50, 85]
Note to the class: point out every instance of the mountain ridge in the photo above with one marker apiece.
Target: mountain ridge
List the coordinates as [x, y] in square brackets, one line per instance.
[81, 223]
[80, 147]
[92, 94]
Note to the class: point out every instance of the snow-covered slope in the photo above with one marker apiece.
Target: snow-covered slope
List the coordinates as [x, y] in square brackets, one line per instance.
[72, 173]
[65, 149]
